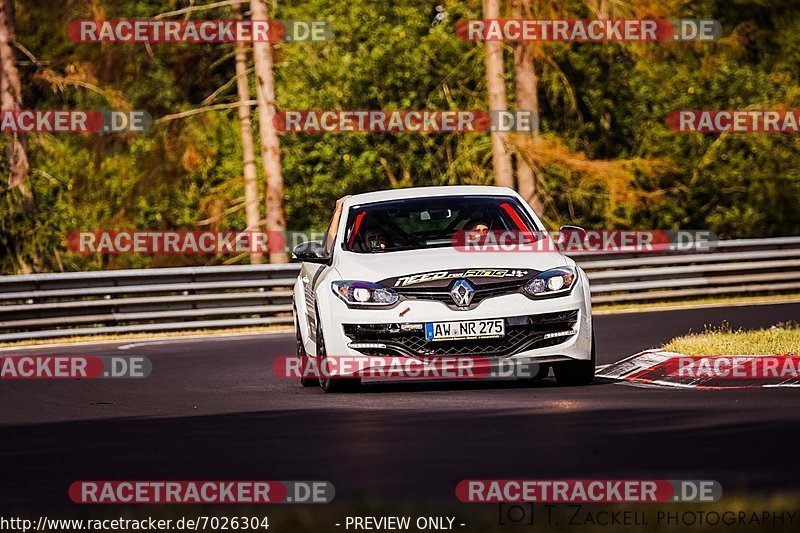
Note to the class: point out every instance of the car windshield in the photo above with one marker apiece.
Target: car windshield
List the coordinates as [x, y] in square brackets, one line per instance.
[419, 223]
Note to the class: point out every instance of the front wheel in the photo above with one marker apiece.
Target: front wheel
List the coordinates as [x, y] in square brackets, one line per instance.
[303, 356]
[327, 382]
[576, 373]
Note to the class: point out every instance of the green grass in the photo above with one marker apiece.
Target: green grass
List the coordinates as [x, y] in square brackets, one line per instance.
[782, 339]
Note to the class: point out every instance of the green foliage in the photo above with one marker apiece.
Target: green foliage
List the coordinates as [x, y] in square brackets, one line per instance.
[605, 101]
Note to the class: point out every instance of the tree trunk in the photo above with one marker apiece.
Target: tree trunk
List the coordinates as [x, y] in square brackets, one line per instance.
[251, 199]
[495, 82]
[270, 144]
[526, 88]
[11, 98]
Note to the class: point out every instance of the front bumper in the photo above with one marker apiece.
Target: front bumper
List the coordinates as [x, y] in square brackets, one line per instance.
[523, 333]
[391, 331]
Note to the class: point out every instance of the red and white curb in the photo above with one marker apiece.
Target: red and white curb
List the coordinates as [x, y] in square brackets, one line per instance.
[669, 369]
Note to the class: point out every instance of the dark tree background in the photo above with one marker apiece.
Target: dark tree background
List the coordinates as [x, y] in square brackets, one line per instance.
[609, 160]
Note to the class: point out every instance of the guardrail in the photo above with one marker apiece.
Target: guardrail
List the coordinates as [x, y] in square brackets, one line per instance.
[38, 306]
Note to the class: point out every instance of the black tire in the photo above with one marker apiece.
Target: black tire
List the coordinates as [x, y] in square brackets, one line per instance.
[303, 356]
[576, 373]
[328, 383]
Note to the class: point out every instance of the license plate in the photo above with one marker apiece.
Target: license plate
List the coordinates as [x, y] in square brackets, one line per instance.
[465, 329]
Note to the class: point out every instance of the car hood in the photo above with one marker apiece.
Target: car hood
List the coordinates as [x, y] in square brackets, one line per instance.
[437, 267]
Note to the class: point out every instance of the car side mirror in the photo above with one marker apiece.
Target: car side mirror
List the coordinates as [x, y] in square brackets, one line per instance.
[310, 252]
[571, 235]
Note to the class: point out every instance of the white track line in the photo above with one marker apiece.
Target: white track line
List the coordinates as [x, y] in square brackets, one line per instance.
[209, 337]
[676, 307]
[143, 342]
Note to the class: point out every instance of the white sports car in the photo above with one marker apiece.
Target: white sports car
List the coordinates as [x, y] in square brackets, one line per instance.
[390, 280]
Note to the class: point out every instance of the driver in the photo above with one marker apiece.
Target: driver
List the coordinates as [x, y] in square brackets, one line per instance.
[477, 227]
[375, 239]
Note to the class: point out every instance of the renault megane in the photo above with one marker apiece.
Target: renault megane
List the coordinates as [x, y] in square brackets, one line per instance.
[390, 279]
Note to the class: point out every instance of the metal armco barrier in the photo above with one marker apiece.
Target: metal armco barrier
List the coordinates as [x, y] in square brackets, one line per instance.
[39, 306]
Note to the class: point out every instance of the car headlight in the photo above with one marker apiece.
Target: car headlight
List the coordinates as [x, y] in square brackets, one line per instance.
[364, 293]
[552, 282]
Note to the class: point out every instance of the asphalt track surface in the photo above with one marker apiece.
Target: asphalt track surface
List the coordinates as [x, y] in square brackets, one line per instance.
[212, 409]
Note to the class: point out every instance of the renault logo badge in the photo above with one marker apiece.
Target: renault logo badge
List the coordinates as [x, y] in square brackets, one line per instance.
[462, 293]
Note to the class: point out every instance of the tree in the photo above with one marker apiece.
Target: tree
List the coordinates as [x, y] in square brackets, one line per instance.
[248, 151]
[606, 157]
[495, 82]
[270, 144]
[526, 86]
[11, 98]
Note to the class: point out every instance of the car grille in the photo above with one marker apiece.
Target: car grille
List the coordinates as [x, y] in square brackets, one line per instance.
[522, 333]
[481, 293]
